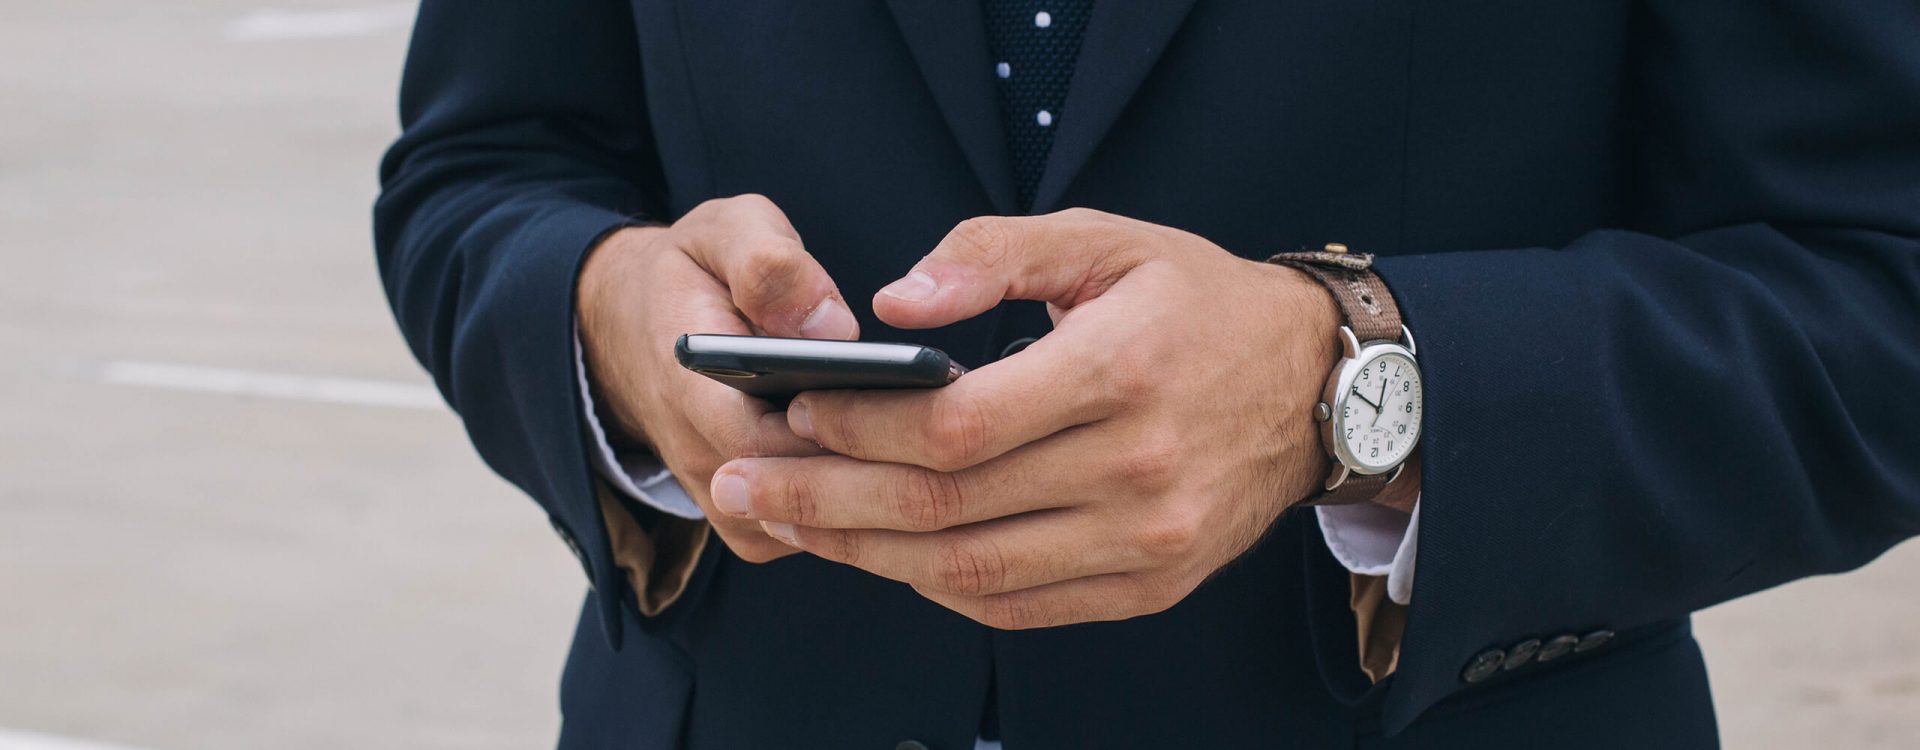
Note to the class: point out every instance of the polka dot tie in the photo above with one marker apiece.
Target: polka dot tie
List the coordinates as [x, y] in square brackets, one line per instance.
[1034, 44]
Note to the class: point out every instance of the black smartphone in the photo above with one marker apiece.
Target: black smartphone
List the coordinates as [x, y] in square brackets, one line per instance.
[777, 368]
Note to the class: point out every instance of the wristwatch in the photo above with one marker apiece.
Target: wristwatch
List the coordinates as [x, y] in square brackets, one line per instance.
[1370, 411]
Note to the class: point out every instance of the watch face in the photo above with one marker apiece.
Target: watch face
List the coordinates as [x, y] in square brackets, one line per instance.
[1379, 414]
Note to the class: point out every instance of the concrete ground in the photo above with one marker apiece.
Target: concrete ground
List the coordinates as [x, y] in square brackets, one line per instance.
[184, 191]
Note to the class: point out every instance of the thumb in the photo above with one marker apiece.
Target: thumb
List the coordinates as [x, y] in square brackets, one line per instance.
[1062, 259]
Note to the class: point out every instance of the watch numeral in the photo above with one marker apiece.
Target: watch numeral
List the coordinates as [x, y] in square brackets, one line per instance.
[1409, 407]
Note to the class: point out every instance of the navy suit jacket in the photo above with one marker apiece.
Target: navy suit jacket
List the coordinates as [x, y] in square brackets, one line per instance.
[1662, 259]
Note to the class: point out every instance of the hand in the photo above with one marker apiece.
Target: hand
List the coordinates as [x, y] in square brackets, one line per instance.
[731, 265]
[1102, 473]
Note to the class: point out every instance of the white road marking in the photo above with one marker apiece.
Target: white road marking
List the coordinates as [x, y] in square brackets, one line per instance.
[271, 385]
[13, 739]
[272, 24]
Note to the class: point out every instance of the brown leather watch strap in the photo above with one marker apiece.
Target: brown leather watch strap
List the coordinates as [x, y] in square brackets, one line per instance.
[1358, 488]
[1363, 298]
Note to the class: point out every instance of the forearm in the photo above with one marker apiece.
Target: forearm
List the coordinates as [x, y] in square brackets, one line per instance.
[1670, 424]
[1655, 419]
[1721, 399]
[490, 200]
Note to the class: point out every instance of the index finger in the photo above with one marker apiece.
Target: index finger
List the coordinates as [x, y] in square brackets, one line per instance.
[748, 245]
[1056, 383]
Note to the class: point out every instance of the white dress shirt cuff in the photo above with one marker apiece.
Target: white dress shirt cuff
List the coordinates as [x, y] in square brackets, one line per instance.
[639, 474]
[1374, 540]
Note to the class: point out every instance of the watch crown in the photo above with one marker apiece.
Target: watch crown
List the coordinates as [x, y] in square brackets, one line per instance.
[1322, 411]
[1335, 247]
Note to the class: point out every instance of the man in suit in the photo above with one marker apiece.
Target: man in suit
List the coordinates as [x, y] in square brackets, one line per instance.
[1613, 313]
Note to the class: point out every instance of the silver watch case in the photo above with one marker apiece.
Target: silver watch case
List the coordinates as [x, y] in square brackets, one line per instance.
[1354, 353]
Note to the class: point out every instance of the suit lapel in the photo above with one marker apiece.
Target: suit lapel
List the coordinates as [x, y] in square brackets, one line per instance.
[1124, 39]
[949, 43]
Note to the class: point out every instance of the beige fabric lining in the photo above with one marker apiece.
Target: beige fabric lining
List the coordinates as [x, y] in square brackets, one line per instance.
[1381, 621]
[658, 565]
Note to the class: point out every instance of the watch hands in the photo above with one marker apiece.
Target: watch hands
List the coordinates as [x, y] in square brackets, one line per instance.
[1363, 397]
[1379, 408]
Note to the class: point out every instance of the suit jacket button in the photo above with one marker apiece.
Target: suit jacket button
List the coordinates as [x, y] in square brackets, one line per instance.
[1483, 666]
[1522, 653]
[1593, 640]
[1014, 347]
[1558, 647]
[909, 745]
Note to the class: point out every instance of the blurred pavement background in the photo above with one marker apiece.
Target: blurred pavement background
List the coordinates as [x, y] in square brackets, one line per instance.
[233, 515]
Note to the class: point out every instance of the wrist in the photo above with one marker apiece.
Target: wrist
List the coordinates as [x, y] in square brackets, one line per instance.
[1304, 325]
[1314, 316]
[607, 268]
[1370, 409]
[1319, 352]
[603, 307]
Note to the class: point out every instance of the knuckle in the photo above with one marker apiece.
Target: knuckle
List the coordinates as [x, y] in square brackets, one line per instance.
[1083, 214]
[799, 499]
[968, 567]
[956, 435]
[744, 204]
[1172, 535]
[839, 545]
[769, 271]
[932, 501]
[733, 440]
[1153, 463]
[832, 427]
[981, 241]
[1009, 613]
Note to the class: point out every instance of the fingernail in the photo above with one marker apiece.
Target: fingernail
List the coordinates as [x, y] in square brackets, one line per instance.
[780, 531]
[799, 421]
[730, 494]
[829, 320]
[914, 287]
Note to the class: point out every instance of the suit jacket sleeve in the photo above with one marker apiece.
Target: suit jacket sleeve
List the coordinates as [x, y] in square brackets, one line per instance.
[525, 142]
[1646, 423]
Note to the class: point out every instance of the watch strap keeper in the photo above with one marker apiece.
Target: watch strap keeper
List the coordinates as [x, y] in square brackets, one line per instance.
[1362, 297]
